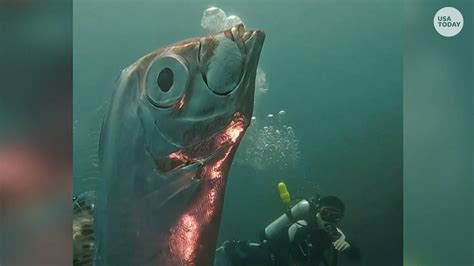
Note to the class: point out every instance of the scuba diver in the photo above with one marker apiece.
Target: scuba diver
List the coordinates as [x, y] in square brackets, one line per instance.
[306, 234]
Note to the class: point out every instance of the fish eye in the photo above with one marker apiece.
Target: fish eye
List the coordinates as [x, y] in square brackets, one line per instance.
[166, 80]
[222, 65]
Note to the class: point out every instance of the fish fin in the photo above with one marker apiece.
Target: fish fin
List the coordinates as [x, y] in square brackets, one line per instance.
[87, 134]
[180, 180]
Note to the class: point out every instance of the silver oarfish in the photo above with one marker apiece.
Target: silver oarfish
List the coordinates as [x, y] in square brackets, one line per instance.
[167, 143]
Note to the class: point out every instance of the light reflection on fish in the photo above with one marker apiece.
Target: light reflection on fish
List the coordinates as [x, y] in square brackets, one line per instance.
[172, 128]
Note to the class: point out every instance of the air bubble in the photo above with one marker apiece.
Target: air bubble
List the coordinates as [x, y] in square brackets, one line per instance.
[281, 117]
[261, 84]
[270, 146]
[270, 115]
[233, 21]
[214, 19]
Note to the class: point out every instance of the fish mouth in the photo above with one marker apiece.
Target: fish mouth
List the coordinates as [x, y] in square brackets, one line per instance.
[204, 151]
[249, 42]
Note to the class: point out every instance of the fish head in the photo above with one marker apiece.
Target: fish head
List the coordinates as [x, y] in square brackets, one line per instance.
[198, 94]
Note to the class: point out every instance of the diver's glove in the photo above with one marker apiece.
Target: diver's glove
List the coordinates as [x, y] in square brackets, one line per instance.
[341, 244]
[351, 250]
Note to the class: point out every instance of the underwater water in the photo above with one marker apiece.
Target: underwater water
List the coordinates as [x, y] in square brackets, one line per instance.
[328, 106]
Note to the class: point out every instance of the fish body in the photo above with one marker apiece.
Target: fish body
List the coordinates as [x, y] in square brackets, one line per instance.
[167, 143]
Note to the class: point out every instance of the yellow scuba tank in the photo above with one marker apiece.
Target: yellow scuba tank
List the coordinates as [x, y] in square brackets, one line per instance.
[293, 213]
[284, 194]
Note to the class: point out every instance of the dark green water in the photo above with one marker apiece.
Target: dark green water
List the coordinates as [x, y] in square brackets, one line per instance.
[334, 67]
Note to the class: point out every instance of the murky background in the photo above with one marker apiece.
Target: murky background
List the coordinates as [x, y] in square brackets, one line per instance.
[438, 138]
[328, 110]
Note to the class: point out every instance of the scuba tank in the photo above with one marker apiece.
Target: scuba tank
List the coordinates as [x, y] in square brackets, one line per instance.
[299, 211]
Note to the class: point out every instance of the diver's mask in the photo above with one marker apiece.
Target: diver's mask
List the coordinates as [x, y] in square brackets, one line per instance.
[329, 227]
[330, 214]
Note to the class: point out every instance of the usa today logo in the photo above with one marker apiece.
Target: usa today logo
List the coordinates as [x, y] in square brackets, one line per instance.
[448, 21]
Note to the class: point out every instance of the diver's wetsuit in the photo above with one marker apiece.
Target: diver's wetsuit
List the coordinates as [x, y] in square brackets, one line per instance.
[310, 245]
[313, 246]
[300, 242]
[307, 248]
